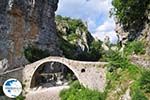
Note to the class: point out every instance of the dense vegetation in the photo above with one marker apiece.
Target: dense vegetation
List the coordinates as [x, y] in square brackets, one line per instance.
[121, 76]
[33, 53]
[144, 81]
[73, 33]
[72, 24]
[94, 53]
[136, 47]
[132, 14]
[69, 50]
[79, 92]
[69, 46]
[121, 73]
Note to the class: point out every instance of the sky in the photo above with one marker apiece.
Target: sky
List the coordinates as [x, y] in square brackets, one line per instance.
[94, 12]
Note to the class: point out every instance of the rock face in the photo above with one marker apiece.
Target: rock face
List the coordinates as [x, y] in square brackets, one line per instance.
[75, 32]
[145, 37]
[24, 22]
[3, 65]
[76, 42]
[126, 96]
[141, 61]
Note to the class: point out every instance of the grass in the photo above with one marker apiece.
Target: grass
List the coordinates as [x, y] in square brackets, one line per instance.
[136, 47]
[79, 92]
[123, 75]
[120, 80]
[138, 95]
[144, 81]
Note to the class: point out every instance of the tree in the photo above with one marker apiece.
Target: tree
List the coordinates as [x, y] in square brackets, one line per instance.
[132, 14]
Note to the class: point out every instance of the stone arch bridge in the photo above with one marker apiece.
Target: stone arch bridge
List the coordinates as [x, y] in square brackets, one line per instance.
[93, 77]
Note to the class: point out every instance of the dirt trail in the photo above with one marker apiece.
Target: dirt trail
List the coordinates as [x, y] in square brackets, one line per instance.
[45, 93]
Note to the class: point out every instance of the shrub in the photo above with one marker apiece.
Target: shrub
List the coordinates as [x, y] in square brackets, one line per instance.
[73, 24]
[20, 98]
[136, 47]
[68, 48]
[145, 81]
[131, 13]
[138, 95]
[33, 54]
[73, 37]
[94, 53]
[78, 92]
[116, 60]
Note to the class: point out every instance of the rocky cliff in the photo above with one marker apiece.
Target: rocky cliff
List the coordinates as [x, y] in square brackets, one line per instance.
[142, 35]
[76, 41]
[24, 22]
[138, 23]
[74, 31]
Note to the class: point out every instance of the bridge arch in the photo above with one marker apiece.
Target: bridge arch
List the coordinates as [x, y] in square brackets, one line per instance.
[90, 74]
[52, 68]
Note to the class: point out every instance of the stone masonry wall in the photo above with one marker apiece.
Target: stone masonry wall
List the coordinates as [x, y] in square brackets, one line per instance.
[90, 74]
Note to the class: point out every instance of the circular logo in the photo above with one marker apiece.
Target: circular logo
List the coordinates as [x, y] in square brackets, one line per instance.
[12, 88]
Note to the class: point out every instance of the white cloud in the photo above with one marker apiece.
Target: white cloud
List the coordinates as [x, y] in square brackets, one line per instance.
[91, 10]
[102, 35]
[95, 12]
[108, 25]
[106, 29]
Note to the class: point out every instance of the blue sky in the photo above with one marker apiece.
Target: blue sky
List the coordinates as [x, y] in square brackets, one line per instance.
[94, 12]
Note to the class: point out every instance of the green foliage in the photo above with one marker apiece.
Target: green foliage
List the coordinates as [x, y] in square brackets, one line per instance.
[78, 92]
[68, 48]
[141, 84]
[73, 37]
[138, 95]
[131, 13]
[96, 45]
[120, 71]
[33, 54]
[20, 98]
[94, 53]
[116, 60]
[69, 44]
[96, 50]
[122, 76]
[73, 24]
[145, 81]
[136, 47]
[134, 71]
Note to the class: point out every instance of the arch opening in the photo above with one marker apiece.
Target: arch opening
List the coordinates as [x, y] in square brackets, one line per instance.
[52, 74]
[82, 70]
